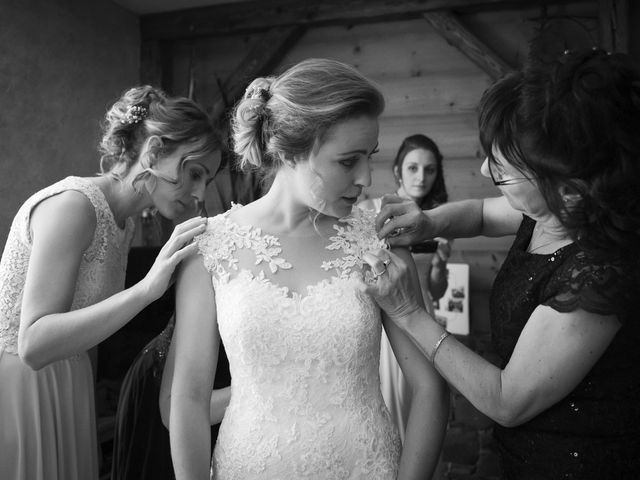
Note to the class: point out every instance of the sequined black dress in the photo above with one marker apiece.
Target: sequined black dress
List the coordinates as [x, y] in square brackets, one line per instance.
[594, 432]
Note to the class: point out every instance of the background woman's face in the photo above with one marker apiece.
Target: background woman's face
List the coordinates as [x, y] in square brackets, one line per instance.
[418, 173]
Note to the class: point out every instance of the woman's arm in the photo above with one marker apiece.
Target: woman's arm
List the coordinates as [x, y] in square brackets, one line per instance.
[220, 397]
[195, 343]
[62, 229]
[492, 217]
[438, 273]
[553, 354]
[429, 407]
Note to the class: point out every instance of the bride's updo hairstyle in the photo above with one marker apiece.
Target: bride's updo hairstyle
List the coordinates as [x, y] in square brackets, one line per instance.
[282, 117]
[144, 112]
[573, 125]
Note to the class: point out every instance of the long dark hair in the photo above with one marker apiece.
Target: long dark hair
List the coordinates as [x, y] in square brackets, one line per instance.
[438, 193]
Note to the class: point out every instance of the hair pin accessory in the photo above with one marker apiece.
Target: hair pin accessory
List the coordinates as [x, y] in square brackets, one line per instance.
[135, 114]
[259, 92]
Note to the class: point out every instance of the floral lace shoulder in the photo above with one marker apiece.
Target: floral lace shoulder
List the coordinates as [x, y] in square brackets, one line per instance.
[606, 288]
[223, 237]
[355, 235]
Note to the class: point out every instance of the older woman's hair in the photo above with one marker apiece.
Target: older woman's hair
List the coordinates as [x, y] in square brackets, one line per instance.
[145, 111]
[573, 126]
[438, 193]
[282, 117]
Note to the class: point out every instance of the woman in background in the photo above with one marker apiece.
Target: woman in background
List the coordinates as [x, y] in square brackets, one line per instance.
[418, 173]
[62, 277]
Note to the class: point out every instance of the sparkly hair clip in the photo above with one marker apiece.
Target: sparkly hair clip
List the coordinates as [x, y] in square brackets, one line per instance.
[258, 92]
[135, 114]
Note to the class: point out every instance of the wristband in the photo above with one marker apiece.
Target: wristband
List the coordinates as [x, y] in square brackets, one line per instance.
[437, 345]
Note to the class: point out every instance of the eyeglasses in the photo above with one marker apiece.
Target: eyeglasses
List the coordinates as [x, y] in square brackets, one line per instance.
[499, 177]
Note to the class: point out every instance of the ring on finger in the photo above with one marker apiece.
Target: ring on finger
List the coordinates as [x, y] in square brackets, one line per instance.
[379, 274]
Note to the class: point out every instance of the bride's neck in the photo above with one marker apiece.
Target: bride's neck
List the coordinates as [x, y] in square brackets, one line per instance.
[283, 212]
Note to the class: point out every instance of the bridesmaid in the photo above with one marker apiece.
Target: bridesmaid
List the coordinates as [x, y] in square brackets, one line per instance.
[62, 277]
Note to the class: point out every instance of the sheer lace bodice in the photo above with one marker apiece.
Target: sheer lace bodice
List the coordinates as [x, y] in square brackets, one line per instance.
[306, 399]
[101, 273]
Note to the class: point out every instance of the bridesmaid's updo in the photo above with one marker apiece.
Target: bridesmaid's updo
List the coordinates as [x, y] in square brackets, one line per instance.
[145, 111]
[281, 117]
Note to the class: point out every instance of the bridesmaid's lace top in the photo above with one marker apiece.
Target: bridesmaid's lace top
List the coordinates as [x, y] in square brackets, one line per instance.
[306, 399]
[101, 273]
[594, 432]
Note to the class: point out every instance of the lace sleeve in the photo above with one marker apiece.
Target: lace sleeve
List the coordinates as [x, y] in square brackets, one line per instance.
[605, 288]
[355, 236]
[216, 247]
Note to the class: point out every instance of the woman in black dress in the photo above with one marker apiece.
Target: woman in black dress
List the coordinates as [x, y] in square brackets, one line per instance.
[563, 146]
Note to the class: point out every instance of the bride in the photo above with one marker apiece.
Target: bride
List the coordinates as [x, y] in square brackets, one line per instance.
[280, 281]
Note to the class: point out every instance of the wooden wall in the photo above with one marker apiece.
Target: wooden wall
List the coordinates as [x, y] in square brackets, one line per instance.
[431, 87]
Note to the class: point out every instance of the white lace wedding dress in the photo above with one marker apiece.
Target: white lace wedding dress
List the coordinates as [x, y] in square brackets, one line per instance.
[306, 401]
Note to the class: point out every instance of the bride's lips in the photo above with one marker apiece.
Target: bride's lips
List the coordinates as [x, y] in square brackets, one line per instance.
[350, 200]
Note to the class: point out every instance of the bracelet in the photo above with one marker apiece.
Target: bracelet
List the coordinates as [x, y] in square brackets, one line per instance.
[437, 345]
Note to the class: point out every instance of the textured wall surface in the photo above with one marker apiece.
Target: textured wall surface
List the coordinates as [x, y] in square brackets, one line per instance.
[62, 62]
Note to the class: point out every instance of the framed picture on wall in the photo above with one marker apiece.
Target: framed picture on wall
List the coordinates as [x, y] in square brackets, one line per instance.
[452, 310]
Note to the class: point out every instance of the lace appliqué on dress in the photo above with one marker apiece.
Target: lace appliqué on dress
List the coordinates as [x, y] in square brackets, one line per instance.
[355, 239]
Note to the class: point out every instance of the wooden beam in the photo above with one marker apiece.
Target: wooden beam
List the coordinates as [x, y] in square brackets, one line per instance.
[267, 52]
[257, 15]
[456, 34]
[613, 25]
[605, 33]
[621, 38]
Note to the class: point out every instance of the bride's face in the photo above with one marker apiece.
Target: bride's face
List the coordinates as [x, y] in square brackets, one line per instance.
[332, 178]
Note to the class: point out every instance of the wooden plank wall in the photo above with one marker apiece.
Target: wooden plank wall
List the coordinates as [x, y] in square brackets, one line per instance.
[430, 88]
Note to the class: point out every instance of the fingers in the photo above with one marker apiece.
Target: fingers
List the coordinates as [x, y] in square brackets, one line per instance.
[388, 212]
[378, 261]
[184, 252]
[189, 224]
[183, 234]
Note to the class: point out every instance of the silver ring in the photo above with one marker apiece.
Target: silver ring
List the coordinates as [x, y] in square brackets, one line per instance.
[386, 263]
[379, 274]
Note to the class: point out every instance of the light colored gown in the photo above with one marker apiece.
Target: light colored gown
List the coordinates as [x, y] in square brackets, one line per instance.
[47, 417]
[395, 388]
[305, 393]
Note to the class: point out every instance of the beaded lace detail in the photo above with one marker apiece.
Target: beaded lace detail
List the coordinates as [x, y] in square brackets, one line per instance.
[102, 271]
[306, 399]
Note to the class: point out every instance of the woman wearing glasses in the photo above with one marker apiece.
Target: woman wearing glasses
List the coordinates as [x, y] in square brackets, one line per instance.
[563, 148]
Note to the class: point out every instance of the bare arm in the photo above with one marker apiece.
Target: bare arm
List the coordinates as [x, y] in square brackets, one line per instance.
[195, 343]
[553, 354]
[219, 397]
[492, 217]
[429, 408]
[438, 273]
[62, 228]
